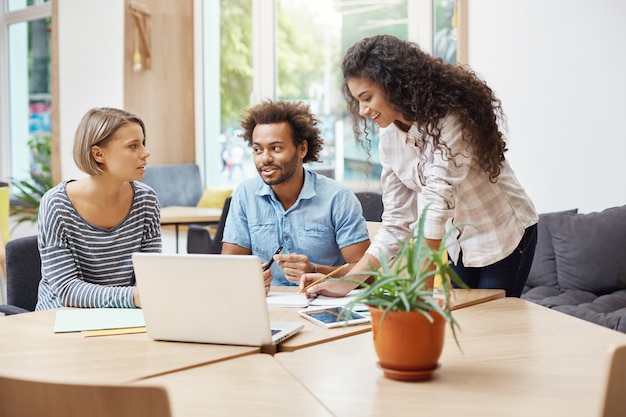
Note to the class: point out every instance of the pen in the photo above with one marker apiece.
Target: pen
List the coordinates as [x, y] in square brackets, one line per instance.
[271, 261]
[325, 277]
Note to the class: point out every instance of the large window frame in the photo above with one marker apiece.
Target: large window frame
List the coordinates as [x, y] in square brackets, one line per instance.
[39, 10]
[420, 24]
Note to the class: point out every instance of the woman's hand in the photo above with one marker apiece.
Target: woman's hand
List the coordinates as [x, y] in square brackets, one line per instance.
[136, 299]
[327, 288]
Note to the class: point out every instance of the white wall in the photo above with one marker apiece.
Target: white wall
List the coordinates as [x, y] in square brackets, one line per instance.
[91, 66]
[558, 67]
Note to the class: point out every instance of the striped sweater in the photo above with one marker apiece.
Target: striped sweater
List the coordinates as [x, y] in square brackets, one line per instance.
[86, 266]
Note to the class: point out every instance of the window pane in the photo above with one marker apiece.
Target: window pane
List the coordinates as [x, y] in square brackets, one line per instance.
[312, 38]
[29, 95]
[235, 75]
[444, 30]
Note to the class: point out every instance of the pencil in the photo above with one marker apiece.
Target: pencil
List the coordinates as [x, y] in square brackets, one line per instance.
[325, 277]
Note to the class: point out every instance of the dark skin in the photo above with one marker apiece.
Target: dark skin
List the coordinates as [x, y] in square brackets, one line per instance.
[280, 164]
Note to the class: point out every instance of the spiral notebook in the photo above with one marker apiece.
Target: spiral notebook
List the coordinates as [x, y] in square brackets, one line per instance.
[207, 299]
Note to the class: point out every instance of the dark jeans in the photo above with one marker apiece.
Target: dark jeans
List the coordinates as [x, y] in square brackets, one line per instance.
[509, 274]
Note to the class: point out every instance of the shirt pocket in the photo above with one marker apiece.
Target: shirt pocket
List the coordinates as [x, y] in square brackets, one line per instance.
[264, 239]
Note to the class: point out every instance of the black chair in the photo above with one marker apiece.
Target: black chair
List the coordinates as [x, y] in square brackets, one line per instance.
[199, 238]
[372, 203]
[23, 275]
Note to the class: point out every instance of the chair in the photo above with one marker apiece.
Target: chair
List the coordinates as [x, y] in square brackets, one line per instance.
[176, 184]
[23, 275]
[199, 239]
[4, 224]
[20, 397]
[372, 203]
[614, 401]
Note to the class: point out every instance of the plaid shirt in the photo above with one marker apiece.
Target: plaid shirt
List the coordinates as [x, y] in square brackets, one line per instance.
[457, 190]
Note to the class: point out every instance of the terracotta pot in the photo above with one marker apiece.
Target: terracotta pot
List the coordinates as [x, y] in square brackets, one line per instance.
[408, 345]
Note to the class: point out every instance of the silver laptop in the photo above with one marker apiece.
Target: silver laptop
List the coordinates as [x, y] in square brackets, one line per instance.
[207, 299]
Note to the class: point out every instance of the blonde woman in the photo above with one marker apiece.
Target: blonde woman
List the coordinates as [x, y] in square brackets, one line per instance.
[89, 228]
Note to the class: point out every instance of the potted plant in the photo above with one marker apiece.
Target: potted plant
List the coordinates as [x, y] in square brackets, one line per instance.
[29, 192]
[408, 314]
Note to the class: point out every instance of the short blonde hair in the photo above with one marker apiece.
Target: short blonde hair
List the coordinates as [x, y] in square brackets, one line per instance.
[98, 127]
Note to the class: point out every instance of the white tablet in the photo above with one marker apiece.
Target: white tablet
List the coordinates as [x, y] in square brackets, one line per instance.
[333, 316]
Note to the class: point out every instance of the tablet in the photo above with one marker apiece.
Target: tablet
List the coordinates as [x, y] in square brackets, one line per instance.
[333, 316]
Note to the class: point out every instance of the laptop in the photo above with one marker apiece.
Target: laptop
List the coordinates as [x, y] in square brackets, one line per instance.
[207, 299]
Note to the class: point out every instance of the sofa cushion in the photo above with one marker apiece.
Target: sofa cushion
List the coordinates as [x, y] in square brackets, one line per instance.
[606, 310]
[213, 197]
[589, 250]
[543, 269]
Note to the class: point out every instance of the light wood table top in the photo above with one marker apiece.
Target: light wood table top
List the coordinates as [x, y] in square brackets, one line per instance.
[188, 215]
[518, 359]
[313, 334]
[254, 385]
[29, 348]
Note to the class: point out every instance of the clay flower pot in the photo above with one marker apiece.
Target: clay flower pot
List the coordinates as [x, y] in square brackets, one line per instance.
[408, 345]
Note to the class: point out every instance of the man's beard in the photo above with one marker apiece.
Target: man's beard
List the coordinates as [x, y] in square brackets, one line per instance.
[285, 171]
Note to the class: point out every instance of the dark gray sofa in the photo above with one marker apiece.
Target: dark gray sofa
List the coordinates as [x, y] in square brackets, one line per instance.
[580, 266]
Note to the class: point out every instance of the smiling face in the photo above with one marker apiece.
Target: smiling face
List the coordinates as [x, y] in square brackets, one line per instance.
[276, 156]
[125, 155]
[372, 102]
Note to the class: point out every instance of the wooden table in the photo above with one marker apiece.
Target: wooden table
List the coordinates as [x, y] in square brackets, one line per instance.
[29, 348]
[518, 359]
[254, 385]
[177, 215]
[313, 334]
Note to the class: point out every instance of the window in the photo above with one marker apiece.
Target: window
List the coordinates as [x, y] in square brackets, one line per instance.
[25, 83]
[292, 50]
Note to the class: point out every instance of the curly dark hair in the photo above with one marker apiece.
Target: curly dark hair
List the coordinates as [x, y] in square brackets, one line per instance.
[425, 89]
[298, 114]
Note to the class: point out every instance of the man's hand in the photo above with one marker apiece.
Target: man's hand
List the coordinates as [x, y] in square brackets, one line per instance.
[267, 278]
[294, 265]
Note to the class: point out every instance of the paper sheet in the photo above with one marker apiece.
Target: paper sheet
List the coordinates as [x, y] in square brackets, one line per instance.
[286, 299]
[79, 319]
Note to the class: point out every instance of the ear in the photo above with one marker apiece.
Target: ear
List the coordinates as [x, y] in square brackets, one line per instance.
[97, 154]
[303, 148]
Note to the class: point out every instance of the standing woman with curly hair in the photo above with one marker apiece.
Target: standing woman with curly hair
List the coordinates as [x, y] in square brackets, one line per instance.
[440, 145]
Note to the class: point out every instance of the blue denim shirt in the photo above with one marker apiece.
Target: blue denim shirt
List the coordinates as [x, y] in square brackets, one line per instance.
[326, 217]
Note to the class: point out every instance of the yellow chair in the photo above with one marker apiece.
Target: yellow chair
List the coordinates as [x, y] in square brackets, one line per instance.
[21, 397]
[4, 224]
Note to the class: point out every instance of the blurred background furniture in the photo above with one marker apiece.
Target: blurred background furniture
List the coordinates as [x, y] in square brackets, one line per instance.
[175, 184]
[22, 397]
[372, 203]
[579, 266]
[199, 239]
[4, 224]
[23, 275]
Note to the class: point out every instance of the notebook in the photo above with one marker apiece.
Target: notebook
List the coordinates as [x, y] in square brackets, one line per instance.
[207, 299]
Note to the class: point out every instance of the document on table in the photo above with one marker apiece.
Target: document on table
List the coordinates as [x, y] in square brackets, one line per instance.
[293, 299]
[81, 319]
[286, 299]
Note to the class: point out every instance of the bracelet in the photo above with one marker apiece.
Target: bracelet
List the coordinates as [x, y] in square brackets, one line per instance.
[315, 268]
